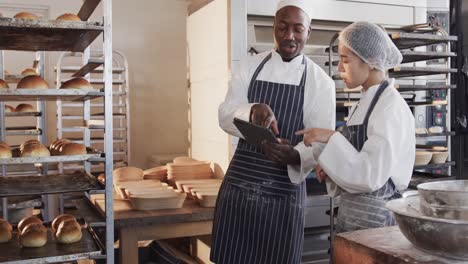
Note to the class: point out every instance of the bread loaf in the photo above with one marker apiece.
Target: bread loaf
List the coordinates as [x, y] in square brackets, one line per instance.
[29, 142]
[25, 15]
[29, 71]
[33, 235]
[76, 83]
[55, 146]
[5, 152]
[72, 149]
[32, 82]
[68, 232]
[9, 109]
[69, 17]
[26, 221]
[3, 84]
[35, 151]
[5, 231]
[61, 218]
[24, 108]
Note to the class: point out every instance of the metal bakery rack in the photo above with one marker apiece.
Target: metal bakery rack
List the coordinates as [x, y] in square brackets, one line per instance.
[60, 36]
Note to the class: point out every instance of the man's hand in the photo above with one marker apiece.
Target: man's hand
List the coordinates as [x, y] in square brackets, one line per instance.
[313, 135]
[321, 174]
[282, 152]
[262, 115]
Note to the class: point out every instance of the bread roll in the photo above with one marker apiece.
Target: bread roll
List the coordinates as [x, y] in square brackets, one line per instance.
[29, 71]
[68, 232]
[9, 109]
[77, 83]
[54, 147]
[61, 218]
[24, 108]
[29, 143]
[3, 84]
[28, 220]
[25, 15]
[5, 231]
[35, 151]
[69, 17]
[5, 152]
[33, 235]
[72, 149]
[32, 82]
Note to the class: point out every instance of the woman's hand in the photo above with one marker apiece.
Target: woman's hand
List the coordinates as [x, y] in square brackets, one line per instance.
[312, 135]
[321, 174]
[262, 115]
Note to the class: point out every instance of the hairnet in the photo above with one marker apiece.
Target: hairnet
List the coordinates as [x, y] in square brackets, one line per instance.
[372, 44]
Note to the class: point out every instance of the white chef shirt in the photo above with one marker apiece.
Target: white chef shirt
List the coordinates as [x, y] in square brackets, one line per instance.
[319, 101]
[388, 152]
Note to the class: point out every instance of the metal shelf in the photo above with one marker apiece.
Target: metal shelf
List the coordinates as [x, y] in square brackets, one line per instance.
[428, 103]
[435, 166]
[51, 159]
[13, 78]
[404, 72]
[405, 40]
[94, 117]
[52, 251]
[82, 128]
[89, 67]
[22, 202]
[34, 35]
[23, 114]
[23, 131]
[49, 94]
[89, 213]
[49, 184]
[73, 69]
[415, 56]
[430, 86]
[445, 134]
[87, 9]
[101, 82]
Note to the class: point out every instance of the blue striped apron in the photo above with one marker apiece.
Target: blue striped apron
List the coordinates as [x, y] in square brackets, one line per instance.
[259, 216]
[365, 210]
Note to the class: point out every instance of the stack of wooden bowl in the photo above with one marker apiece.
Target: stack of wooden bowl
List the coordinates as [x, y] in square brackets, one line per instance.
[204, 191]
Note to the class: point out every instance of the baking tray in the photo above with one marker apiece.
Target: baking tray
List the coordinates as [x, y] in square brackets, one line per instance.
[51, 252]
[405, 40]
[51, 35]
[49, 94]
[50, 184]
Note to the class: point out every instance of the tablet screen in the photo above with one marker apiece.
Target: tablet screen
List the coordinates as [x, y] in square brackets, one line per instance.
[254, 134]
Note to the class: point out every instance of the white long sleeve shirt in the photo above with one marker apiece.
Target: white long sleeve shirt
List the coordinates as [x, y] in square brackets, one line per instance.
[388, 152]
[319, 101]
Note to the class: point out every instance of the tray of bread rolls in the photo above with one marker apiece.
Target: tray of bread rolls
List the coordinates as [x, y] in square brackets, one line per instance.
[33, 241]
[32, 151]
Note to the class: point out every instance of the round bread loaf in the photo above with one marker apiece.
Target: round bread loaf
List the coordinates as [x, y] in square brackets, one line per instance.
[55, 146]
[29, 142]
[5, 231]
[9, 109]
[35, 151]
[26, 15]
[69, 17]
[24, 108]
[61, 218]
[72, 149]
[5, 152]
[33, 235]
[3, 84]
[29, 71]
[68, 232]
[76, 83]
[28, 220]
[32, 82]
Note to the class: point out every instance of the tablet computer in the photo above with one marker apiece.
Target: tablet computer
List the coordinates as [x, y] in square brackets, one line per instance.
[254, 134]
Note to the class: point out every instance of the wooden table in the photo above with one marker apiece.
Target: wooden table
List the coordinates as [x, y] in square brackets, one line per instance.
[381, 245]
[133, 226]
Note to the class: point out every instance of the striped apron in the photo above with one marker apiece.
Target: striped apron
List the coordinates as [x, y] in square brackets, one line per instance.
[365, 210]
[259, 216]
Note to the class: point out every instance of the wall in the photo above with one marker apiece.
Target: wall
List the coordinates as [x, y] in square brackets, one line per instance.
[208, 41]
[152, 34]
